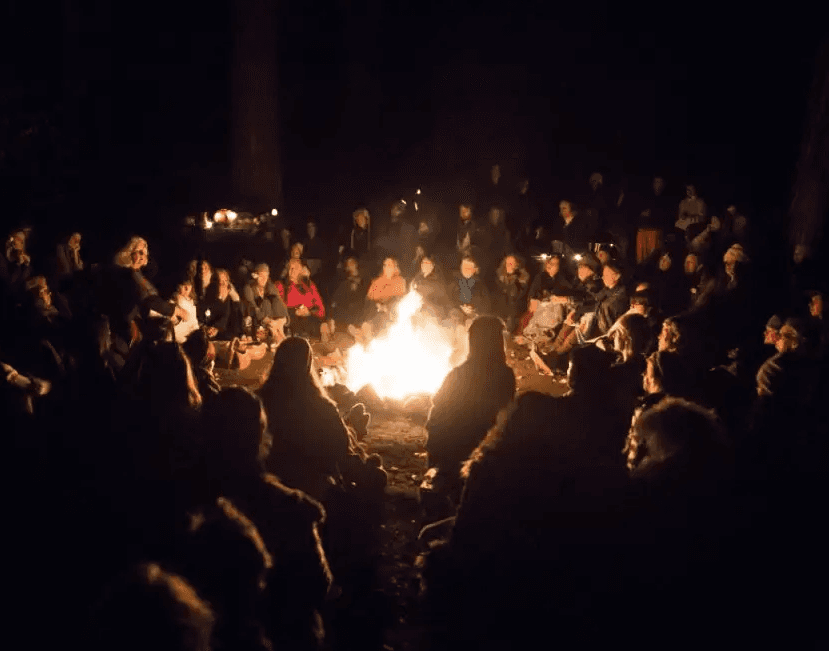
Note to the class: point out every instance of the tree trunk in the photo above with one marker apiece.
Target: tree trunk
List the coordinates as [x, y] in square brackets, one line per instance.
[809, 206]
[257, 177]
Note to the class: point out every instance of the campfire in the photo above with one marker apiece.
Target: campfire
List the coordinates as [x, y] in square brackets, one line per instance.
[411, 358]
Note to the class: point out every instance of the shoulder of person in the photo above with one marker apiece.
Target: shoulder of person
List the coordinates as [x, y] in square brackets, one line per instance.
[293, 499]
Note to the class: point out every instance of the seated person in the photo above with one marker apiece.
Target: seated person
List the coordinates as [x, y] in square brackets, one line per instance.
[135, 299]
[222, 308]
[468, 294]
[264, 308]
[348, 303]
[383, 293]
[429, 283]
[302, 298]
[512, 284]
[68, 259]
[549, 294]
[189, 323]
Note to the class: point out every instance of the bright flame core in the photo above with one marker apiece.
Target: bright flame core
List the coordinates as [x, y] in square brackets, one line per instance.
[406, 360]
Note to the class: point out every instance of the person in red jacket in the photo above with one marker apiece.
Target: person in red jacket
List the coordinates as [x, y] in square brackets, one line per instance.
[304, 303]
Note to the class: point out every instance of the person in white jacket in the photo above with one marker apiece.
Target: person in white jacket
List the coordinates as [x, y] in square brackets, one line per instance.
[183, 298]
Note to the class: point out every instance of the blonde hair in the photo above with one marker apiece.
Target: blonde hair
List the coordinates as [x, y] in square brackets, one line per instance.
[124, 257]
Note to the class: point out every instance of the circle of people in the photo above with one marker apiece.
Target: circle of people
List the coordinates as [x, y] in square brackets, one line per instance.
[656, 319]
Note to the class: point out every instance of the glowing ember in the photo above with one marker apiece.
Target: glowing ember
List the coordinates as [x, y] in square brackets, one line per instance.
[406, 360]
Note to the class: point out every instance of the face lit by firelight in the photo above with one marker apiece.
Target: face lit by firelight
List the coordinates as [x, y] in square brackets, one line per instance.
[390, 268]
[465, 212]
[426, 267]
[468, 269]
[552, 266]
[294, 270]
[510, 265]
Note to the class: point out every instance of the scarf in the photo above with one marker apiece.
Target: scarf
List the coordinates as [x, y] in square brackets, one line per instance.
[466, 285]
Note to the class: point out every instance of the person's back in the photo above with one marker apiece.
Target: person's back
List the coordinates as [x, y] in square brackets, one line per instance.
[532, 531]
[470, 398]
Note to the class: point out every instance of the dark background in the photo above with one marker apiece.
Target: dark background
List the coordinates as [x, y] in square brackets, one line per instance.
[132, 120]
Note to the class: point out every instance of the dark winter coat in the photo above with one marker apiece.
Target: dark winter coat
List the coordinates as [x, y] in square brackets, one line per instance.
[481, 300]
[612, 303]
[544, 286]
[511, 293]
[433, 290]
[464, 408]
[348, 302]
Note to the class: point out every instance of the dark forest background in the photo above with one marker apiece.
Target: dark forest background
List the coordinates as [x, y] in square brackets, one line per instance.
[109, 114]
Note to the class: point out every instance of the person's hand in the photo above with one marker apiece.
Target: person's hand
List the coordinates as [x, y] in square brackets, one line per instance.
[534, 303]
[467, 309]
[41, 387]
[212, 332]
[179, 313]
[571, 319]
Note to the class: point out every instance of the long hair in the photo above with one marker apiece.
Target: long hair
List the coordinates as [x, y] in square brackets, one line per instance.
[634, 335]
[293, 374]
[679, 431]
[152, 608]
[124, 257]
[520, 273]
[529, 413]
[236, 436]
[486, 341]
[165, 376]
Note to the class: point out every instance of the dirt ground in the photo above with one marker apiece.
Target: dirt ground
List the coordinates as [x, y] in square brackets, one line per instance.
[400, 438]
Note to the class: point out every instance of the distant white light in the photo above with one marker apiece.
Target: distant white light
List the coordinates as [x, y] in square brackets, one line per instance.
[207, 313]
[274, 212]
[577, 257]
[418, 191]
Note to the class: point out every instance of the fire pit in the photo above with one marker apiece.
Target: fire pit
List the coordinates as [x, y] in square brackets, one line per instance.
[411, 358]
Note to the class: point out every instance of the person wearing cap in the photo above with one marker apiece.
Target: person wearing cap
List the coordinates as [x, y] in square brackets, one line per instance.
[263, 307]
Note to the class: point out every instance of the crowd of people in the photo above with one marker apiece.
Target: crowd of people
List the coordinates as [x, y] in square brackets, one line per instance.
[188, 515]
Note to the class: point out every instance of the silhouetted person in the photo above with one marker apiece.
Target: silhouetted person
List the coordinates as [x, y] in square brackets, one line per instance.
[466, 404]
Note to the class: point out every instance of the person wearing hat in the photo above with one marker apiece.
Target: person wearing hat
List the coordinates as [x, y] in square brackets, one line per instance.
[262, 305]
[776, 374]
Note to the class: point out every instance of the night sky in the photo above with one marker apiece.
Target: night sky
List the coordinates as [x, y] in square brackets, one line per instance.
[377, 97]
